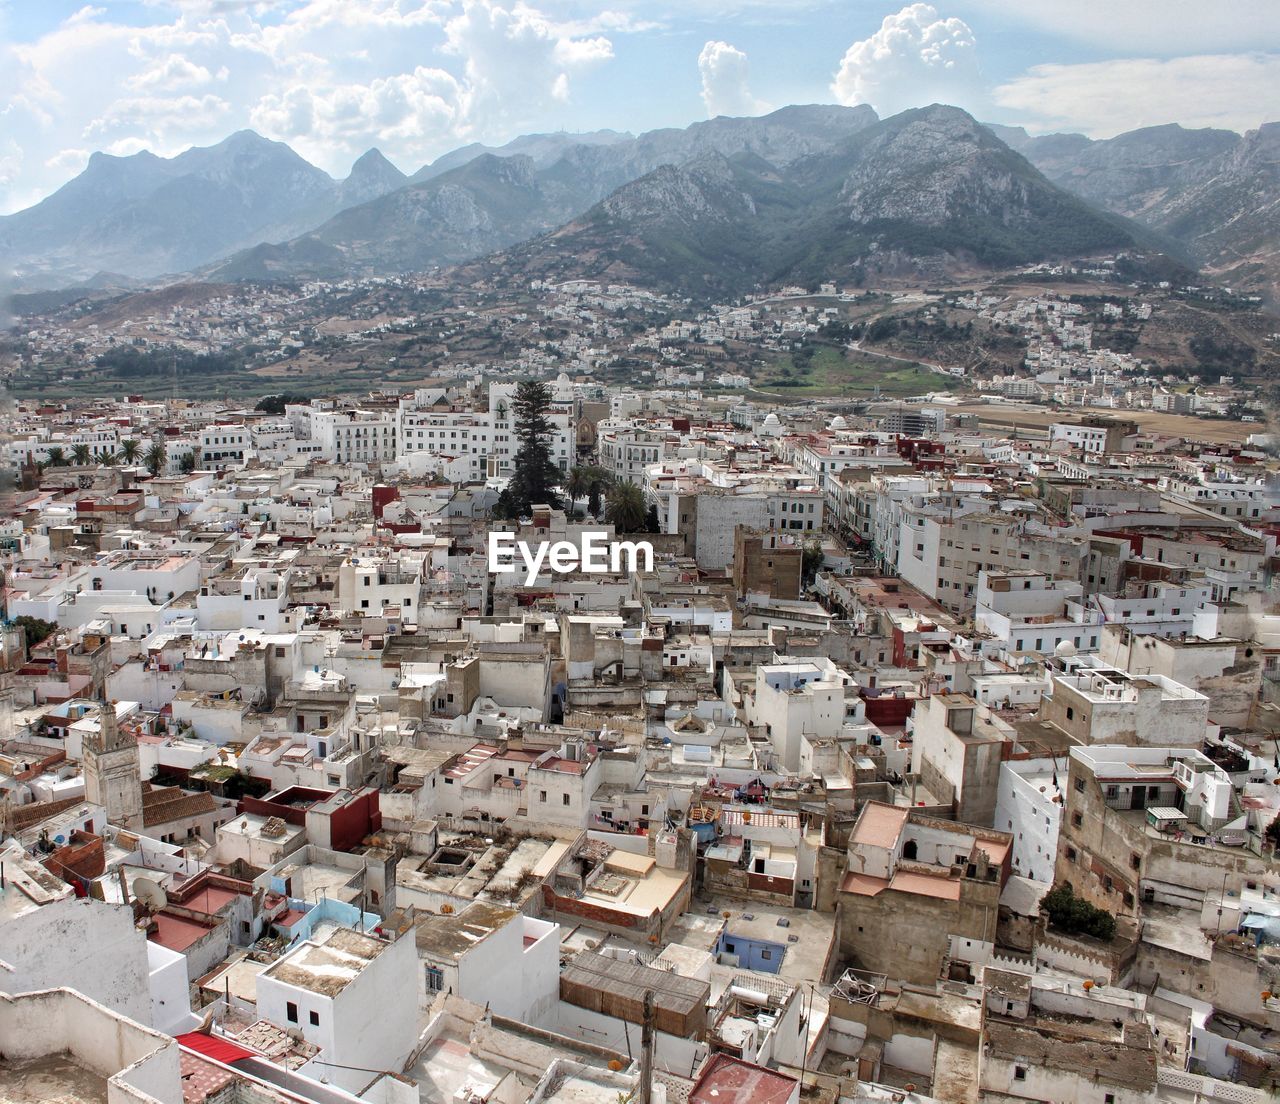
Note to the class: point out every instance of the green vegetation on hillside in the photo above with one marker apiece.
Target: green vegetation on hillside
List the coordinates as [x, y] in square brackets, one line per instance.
[817, 369]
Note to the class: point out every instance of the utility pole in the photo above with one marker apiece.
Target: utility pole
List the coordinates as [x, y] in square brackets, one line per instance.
[646, 1050]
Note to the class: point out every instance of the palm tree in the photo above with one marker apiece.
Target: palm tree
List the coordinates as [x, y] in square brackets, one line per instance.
[129, 450]
[577, 483]
[155, 458]
[598, 480]
[57, 457]
[80, 454]
[626, 508]
[108, 458]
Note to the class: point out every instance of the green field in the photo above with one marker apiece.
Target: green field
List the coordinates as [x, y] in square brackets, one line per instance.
[831, 373]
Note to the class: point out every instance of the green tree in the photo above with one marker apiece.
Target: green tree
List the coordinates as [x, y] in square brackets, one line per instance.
[811, 561]
[625, 509]
[599, 482]
[187, 464]
[80, 454]
[108, 458]
[129, 450]
[1069, 913]
[154, 458]
[34, 629]
[275, 404]
[534, 475]
[57, 457]
[577, 483]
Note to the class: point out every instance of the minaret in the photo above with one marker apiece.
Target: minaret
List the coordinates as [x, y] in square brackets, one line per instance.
[112, 771]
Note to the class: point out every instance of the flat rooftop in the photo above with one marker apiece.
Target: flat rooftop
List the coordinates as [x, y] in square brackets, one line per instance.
[329, 966]
[447, 1065]
[50, 1079]
[454, 935]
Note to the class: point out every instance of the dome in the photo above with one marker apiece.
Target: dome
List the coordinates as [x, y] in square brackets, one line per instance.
[1065, 649]
[838, 422]
[772, 420]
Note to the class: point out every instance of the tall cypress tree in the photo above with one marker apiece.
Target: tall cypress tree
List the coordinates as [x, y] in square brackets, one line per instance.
[535, 478]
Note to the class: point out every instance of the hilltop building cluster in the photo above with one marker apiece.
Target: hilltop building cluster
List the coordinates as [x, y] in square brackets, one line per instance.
[929, 760]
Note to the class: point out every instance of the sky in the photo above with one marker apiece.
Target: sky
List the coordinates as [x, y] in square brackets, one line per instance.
[417, 78]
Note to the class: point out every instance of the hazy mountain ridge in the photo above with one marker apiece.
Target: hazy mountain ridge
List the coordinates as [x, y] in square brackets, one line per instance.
[1214, 192]
[494, 199]
[144, 216]
[930, 184]
[831, 185]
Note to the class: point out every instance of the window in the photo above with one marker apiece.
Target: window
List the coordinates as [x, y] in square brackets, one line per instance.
[766, 954]
[1019, 1073]
[1071, 854]
[565, 799]
[435, 980]
[1079, 784]
[291, 1012]
[313, 1018]
[542, 796]
[1071, 713]
[1076, 820]
[279, 653]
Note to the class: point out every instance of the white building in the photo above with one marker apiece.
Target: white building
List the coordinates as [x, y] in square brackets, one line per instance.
[796, 699]
[484, 441]
[1029, 807]
[355, 436]
[51, 938]
[224, 446]
[493, 956]
[352, 995]
[1027, 611]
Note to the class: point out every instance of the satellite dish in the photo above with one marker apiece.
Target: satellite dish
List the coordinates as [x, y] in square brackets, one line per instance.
[151, 894]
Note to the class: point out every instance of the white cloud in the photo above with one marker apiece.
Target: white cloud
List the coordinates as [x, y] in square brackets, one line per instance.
[68, 160]
[1105, 98]
[408, 112]
[11, 159]
[331, 77]
[915, 58]
[726, 88]
[173, 72]
[517, 60]
[160, 114]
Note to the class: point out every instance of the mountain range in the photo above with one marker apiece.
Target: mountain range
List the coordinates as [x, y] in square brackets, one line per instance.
[724, 204]
[1214, 193]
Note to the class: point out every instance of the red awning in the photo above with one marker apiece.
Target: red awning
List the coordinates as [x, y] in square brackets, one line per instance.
[215, 1047]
